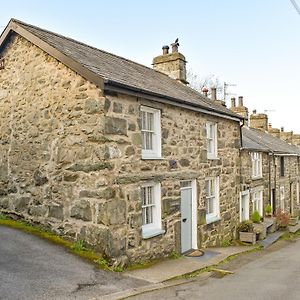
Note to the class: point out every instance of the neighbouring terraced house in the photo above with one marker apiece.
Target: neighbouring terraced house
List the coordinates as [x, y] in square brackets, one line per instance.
[102, 149]
[270, 168]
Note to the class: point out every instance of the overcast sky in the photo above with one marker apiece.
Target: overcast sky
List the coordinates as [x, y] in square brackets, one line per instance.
[251, 43]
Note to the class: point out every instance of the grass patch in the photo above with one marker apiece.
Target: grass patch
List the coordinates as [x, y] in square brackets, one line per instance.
[78, 248]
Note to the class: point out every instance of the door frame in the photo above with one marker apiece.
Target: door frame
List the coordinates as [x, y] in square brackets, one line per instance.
[245, 193]
[193, 213]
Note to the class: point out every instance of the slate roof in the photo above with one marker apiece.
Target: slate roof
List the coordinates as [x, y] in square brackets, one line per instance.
[119, 70]
[255, 139]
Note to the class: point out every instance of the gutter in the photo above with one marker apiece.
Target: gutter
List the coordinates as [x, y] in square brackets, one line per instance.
[113, 86]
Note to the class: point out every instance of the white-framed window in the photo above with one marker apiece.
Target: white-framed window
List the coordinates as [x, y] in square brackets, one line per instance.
[212, 204]
[212, 137]
[151, 209]
[297, 193]
[257, 199]
[151, 133]
[256, 159]
[281, 197]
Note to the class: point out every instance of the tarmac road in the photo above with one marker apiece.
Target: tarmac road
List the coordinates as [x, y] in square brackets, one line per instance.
[32, 268]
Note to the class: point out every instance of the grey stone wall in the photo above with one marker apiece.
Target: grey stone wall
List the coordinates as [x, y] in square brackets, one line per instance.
[71, 159]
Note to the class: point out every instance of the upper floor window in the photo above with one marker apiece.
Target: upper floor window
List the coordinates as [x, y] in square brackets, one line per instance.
[211, 136]
[212, 199]
[282, 166]
[256, 159]
[151, 209]
[151, 132]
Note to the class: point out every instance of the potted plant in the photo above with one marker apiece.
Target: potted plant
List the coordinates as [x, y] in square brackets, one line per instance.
[258, 226]
[282, 218]
[246, 232]
[268, 210]
[269, 220]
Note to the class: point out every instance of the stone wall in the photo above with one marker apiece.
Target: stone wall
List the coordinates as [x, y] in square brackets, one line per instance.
[71, 159]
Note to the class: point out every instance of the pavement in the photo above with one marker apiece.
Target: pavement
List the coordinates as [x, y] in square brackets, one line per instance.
[170, 272]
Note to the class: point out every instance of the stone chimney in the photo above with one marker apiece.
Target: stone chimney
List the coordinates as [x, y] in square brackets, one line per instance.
[214, 98]
[173, 64]
[296, 139]
[259, 121]
[286, 136]
[274, 131]
[213, 94]
[240, 109]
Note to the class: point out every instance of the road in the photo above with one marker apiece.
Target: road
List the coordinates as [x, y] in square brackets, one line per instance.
[32, 268]
[272, 275]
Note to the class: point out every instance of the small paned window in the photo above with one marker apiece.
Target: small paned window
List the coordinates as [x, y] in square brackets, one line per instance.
[151, 133]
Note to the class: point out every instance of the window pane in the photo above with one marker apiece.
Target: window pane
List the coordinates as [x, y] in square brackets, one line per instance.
[150, 121]
[144, 120]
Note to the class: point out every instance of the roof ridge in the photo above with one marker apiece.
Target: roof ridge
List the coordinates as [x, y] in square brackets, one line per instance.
[87, 45]
[115, 55]
[161, 84]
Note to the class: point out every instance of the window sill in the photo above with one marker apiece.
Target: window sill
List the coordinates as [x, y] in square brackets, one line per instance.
[212, 220]
[213, 158]
[152, 158]
[152, 233]
[256, 177]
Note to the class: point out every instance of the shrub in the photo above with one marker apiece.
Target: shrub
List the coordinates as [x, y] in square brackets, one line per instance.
[255, 217]
[268, 210]
[245, 226]
[282, 218]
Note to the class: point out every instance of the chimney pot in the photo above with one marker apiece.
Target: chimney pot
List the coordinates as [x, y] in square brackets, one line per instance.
[213, 93]
[270, 125]
[205, 91]
[232, 102]
[254, 111]
[282, 129]
[174, 47]
[165, 50]
[241, 101]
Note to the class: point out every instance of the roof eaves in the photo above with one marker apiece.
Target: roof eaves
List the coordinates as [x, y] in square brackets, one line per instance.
[119, 87]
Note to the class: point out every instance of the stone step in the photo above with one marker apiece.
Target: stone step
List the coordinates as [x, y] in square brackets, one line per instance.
[270, 239]
[294, 228]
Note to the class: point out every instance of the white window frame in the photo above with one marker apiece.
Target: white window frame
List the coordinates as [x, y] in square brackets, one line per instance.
[213, 154]
[282, 197]
[154, 228]
[215, 215]
[155, 152]
[257, 200]
[297, 191]
[256, 159]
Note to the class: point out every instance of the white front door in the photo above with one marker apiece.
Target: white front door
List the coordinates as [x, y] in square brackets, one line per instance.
[244, 206]
[188, 216]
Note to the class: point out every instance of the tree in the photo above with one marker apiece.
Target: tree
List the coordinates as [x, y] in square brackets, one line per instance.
[210, 81]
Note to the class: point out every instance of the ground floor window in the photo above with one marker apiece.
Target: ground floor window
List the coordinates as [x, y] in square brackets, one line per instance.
[297, 193]
[257, 199]
[212, 199]
[151, 209]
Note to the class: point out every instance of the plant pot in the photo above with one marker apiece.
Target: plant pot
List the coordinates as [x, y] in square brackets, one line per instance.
[248, 237]
[261, 229]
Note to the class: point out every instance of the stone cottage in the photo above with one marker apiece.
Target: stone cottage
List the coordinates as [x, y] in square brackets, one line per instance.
[102, 149]
[269, 166]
